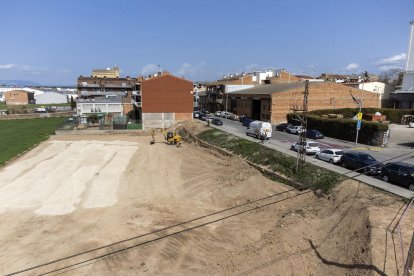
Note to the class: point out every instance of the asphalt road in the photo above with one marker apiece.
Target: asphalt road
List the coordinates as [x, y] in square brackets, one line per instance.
[282, 141]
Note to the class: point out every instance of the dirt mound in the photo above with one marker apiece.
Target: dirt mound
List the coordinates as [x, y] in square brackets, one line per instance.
[186, 211]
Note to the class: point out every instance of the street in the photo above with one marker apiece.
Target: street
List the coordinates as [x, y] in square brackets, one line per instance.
[282, 141]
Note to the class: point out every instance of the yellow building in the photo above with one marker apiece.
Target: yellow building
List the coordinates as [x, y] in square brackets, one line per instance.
[106, 73]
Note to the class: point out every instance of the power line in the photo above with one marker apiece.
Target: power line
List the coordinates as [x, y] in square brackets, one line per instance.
[186, 222]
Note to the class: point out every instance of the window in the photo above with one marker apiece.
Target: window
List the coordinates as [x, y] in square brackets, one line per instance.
[402, 171]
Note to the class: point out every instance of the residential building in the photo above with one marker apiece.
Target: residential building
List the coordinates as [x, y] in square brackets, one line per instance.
[164, 100]
[273, 102]
[94, 88]
[382, 89]
[51, 98]
[19, 97]
[404, 98]
[106, 73]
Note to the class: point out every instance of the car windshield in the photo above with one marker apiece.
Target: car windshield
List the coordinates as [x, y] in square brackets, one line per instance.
[339, 152]
[366, 157]
[313, 145]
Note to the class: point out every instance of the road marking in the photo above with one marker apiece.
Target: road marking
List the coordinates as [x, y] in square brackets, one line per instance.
[373, 148]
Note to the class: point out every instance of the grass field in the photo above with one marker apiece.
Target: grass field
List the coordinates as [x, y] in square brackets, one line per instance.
[16, 136]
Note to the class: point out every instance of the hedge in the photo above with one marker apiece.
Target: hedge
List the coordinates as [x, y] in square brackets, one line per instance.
[393, 115]
[344, 129]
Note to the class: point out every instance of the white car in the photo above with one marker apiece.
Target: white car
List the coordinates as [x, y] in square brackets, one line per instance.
[217, 113]
[331, 155]
[294, 129]
[310, 147]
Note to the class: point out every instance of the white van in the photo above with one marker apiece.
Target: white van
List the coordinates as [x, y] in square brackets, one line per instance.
[257, 128]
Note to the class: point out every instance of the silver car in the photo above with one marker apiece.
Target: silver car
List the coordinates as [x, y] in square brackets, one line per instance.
[333, 156]
[310, 147]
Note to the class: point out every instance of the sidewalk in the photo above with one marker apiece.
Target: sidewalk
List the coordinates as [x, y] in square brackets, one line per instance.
[284, 148]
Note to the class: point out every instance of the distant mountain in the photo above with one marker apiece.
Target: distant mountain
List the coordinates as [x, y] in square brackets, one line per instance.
[19, 83]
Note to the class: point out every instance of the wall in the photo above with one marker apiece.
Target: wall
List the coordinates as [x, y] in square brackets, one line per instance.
[86, 108]
[167, 94]
[321, 96]
[18, 97]
[51, 98]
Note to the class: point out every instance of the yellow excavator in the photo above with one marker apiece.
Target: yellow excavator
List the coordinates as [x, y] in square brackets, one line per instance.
[171, 137]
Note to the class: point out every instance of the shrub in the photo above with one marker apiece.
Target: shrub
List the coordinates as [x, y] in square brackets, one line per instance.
[344, 129]
[393, 115]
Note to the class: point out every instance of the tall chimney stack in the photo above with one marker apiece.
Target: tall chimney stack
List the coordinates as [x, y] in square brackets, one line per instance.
[408, 79]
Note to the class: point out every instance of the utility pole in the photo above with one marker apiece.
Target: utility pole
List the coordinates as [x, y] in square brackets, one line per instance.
[358, 101]
[408, 269]
[302, 118]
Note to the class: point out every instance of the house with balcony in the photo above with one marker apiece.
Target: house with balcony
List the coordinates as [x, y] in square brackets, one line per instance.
[111, 90]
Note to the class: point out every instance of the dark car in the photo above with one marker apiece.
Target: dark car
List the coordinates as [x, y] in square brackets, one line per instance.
[201, 115]
[361, 162]
[399, 173]
[314, 134]
[246, 121]
[216, 122]
[281, 127]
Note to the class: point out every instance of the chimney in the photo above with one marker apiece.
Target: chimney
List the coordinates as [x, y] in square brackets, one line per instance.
[408, 79]
[410, 54]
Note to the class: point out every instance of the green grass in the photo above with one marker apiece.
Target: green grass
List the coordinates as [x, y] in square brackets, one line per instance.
[314, 176]
[134, 126]
[16, 136]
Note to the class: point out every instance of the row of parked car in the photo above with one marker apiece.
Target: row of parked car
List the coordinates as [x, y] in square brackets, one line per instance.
[289, 128]
[396, 172]
[204, 116]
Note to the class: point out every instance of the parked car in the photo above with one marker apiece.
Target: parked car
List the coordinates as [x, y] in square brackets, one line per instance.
[399, 173]
[196, 114]
[207, 118]
[217, 122]
[224, 114]
[201, 115]
[258, 128]
[294, 129]
[281, 127]
[233, 116]
[310, 147]
[314, 134]
[246, 121]
[333, 156]
[241, 117]
[362, 162]
[39, 110]
[217, 113]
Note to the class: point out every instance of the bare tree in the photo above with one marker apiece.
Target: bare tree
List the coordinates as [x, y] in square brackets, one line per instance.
[391, 76]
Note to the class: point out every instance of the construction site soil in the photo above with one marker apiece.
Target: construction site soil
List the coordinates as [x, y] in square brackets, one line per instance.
[114, 204]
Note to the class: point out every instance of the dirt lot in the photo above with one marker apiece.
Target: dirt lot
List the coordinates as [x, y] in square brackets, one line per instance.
[74, 194]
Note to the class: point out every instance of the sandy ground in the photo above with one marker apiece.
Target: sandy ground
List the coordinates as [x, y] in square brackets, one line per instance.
[118, 190]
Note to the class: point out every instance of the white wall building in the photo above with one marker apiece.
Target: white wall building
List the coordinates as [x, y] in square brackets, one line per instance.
[50, 98]
[99, 106]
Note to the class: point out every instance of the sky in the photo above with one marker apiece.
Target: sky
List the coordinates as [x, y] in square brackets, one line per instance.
[53, 42]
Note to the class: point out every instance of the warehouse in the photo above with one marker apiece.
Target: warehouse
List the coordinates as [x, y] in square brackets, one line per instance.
[51, 98]
[165, 99]
[273, 102]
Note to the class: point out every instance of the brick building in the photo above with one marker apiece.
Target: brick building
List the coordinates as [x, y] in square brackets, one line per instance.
[272, 102]
[19, 97]
[164, 100]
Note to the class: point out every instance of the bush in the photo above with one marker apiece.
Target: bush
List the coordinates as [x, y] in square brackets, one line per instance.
[93, 118]
[393, 115]
[344, 129]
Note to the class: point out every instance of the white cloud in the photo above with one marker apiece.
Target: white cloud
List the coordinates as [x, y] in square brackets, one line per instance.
[149, 69]
[7, 66]
[352, 66]
[389, 67]
[396, 59]
[188, 69]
